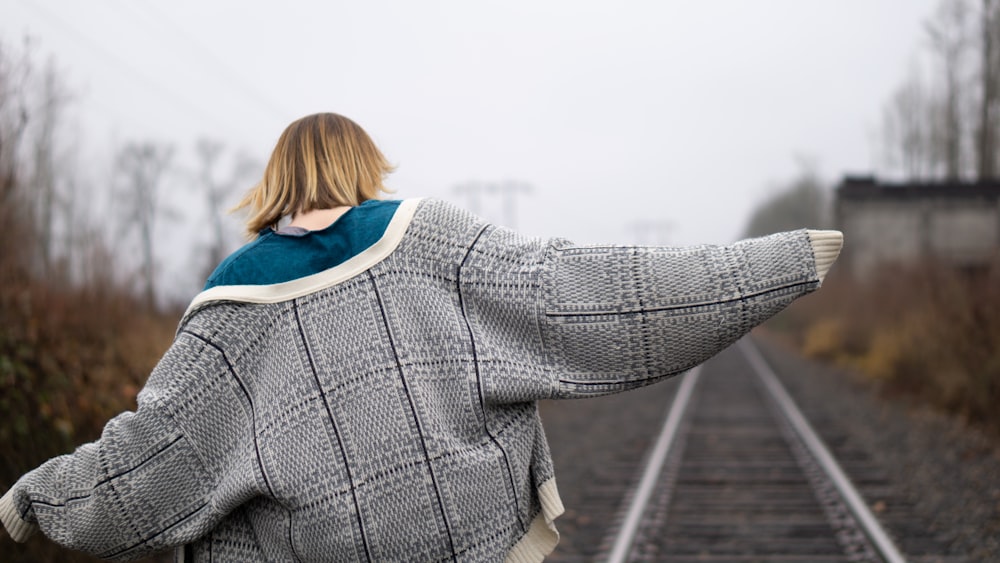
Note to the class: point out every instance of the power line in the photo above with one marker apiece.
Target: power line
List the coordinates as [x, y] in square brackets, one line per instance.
[137, 75]
[206, 57]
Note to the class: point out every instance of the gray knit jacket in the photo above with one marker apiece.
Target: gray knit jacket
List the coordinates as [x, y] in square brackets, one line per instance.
[385, 409]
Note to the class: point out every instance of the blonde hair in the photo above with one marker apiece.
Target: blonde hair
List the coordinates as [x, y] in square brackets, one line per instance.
[321, 161]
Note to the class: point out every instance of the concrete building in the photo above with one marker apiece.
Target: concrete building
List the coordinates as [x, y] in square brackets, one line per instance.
[897, 223]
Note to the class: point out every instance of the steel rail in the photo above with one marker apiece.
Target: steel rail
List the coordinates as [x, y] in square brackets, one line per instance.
[654, 465]
[869, 524]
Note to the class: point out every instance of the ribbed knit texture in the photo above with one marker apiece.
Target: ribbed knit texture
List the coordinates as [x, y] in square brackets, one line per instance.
[391, 415]
[18, 529]
[826, 247]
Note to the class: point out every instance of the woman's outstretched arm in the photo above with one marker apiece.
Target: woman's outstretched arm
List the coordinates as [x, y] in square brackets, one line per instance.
[555, 320]
[618, 318]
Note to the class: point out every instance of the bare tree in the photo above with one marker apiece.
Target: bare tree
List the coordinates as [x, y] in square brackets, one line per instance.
[949, 127]
[217, 190]
[950, 36]
[989, 90]
[15, 71]
[141, 167]
[907, 130]
[52, 98]
[208, 152]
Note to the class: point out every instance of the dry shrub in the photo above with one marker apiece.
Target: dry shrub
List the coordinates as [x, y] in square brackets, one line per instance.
[67, 366]
[928, 331]
[824, 339]
[68, 363]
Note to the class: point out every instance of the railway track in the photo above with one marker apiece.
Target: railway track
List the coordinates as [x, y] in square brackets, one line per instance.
[738, 474]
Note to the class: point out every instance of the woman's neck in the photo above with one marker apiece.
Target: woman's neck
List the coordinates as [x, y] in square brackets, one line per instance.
[318, 219]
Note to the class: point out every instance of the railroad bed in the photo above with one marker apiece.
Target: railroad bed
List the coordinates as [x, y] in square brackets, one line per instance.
[729, 471]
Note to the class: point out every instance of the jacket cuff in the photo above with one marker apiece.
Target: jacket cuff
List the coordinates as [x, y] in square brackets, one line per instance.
[18, 528]
[826, 247]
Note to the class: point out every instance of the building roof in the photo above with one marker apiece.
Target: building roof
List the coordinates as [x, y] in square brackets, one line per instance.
[868, 187]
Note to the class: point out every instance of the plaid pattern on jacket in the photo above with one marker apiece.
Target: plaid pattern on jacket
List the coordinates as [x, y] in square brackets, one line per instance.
[385, 410]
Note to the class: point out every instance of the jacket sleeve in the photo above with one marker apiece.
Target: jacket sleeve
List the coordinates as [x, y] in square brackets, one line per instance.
[159, 477]
[580, 321]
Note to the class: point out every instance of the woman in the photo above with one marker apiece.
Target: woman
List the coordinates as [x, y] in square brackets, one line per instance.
[361, 384]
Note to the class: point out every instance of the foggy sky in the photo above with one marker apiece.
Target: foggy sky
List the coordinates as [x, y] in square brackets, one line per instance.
[681, 112]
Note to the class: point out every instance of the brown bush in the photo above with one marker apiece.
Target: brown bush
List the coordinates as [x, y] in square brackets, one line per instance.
[70, 359]
[928, 331]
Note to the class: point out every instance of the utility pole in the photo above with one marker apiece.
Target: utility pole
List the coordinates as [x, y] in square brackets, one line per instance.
[507, 191]
[651, 233]
[472, 192]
